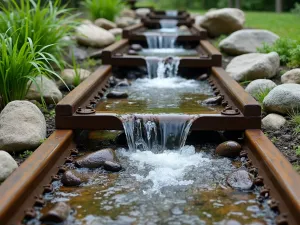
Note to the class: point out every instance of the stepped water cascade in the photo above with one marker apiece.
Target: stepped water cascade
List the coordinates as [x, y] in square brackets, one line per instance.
[168, 23]
[155, 41]
[172, 13]
[162, 67]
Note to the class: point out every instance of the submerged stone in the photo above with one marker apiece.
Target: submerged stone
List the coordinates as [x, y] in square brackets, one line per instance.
[240, 179]
[117, 94]
[132, 52]
[73, 178]
[202, 77]
[136, 47]
[229, 149]
[58, 214]
[123, 83]
[213, 101]
[96, 159]
[112, 166]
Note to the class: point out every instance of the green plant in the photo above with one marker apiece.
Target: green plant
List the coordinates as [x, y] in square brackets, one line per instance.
[107, 9]
[261, 94]
[296, 9]
[87, 64]
[295, 120]
[45, 24]
[26, 154]
[76, 67]
[20, 65]
[218, 40]
[295, 57]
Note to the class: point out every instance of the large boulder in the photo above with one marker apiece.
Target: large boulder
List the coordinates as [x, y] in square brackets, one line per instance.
[253, 66]
[142, 12]
[22, 126]
[7, 165]
[273, 121]
[105, 24]
[116, 31]
[283, 99]
[247, 41]
[69, 75]
[46, 88]
[260, 85]
[93, 36]
[292, 76]
[123, 22]
[223, 21]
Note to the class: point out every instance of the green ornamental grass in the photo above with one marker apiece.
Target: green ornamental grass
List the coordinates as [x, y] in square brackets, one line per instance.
[107, 9]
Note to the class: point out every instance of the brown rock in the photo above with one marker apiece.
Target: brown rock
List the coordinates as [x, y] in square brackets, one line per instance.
[240, 179]
[136, 47]
[213, 101]
[132, 52]
[58, 214]
[73, 178]
[112, 166]
[229, 149]
[96, 159]
[117, 94]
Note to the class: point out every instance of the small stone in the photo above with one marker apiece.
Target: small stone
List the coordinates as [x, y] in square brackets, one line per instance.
[96, 159]
[71, 178]
[213, 101]
[202, 77]
[132, 52]
[142, 12]
[58, 214]
[116, 31]
[273, 121]
[176, 211]
[240, 179]
[136, 47]
[106, 24]
[286, 137]
[229, 149]
[183, 28]
[69, 76]
[259, 86]
[123, 83]
[7, 165]
[128, 13]
[112, 166]
[292, 76]
[117, 94]
[123, 22]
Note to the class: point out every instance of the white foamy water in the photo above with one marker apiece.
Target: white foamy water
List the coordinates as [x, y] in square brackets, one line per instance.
[172, 13]
[162, 67]
[165, 52]
[155, 40]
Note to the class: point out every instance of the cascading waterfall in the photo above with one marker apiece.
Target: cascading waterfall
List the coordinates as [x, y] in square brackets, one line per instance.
[156, 133]
[172, 13]
[160, 41]
[168, 23]
[162, 67]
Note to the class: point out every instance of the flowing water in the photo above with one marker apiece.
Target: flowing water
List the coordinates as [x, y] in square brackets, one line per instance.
[155, 41]
[162, 67]
[166, 52]
[172, 13]
[168, 23]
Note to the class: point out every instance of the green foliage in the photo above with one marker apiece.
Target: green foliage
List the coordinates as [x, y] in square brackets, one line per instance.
[298, 150]
[107, 9]
[295, 120]
[26, 154]
[288, 50]
[76, 67]
[296, 9]
[260, 95]
[88, 63]
[217, 41]
[20, 64]
[45, 24]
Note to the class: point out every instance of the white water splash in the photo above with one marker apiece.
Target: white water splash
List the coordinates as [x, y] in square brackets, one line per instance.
[156, 41]
[162, 67]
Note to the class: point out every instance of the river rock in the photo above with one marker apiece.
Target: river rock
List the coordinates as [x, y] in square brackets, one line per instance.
[142, 12]
[253, 66]
[128, 13]
[123, 22]
[117, 94]
[247, 41]
[123, 83]
[203, 77]
[44, 88]
[69, 75]
[22, 126]
[96, 159]
[136, 47]
[73, 178]
[223, 21]
[112, 166]
[116, 31]
[283, 99]
[259, 85]
[93, 36]
[292, 76]
[105, 24]
[58, 214]
[229, 149]
[273, 121]
[132, 52]
[213, 101]
[7, 165]
[240, 179]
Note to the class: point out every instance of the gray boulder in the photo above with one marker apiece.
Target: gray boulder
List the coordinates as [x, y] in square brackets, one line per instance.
[7, 165]
[292, 76]
[116, 31]
[283, 99]
[142, 12]
[22, 126]
[46, 88]
[68, 75]
[123, 22]
[223, 21]
[273, 121]
[247, 41]
[259, 85]
[93, 36]
[105, 24]
[254, 66]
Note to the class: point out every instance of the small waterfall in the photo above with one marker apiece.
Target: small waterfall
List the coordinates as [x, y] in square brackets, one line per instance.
[161, 41]
[162, 67]
[171, 13]
[167, 23]
[156, 133]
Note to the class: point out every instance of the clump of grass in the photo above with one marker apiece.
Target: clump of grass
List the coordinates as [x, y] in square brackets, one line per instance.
[45, 24]
[20, 64]
[217, 41]
[287, 49]
[107, 9]
[26, 154]
[297, 150]
[295, 120]
[261, 94]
